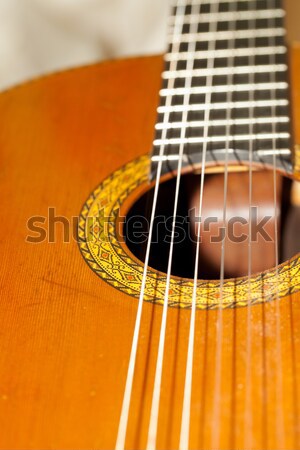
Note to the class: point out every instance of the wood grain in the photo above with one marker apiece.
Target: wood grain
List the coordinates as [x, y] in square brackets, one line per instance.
[66, 335]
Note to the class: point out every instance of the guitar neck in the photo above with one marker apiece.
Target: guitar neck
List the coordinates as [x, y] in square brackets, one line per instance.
[225, 90]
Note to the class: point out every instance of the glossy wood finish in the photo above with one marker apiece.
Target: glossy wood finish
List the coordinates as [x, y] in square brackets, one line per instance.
[66, 335]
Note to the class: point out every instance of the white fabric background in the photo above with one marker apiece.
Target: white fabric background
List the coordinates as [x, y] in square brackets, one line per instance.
[41, 36]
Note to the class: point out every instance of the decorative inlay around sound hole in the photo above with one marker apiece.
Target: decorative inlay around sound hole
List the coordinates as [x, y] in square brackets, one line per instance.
[113, 262]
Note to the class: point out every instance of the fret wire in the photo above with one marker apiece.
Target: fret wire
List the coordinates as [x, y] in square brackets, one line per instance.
[229, 35]
[216, 123]
[238, 105]
[233, 17]
[210, 2]
[230, 88]
[259, 153]
[236, 137]
[284, 151]
[238, 70]
[205, 54]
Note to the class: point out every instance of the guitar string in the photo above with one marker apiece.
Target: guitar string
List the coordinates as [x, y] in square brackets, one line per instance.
[186, 410]
[248, 420]
[154, 413]
[248, 404]
[280, 427]
[275, 207]
[123, 422]
[217, 403]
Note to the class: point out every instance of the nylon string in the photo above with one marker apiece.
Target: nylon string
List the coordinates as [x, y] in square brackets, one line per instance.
[185, 422]
[123, 422]
[280, 428]
[218, 368]
[248, 383]
[153, 424]
[279, 393]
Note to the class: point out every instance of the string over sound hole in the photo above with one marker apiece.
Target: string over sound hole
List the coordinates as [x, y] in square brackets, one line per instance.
[235, 232]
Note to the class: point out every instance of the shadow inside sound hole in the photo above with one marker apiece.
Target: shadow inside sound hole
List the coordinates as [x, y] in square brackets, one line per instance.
[137, 222]
[136, 229]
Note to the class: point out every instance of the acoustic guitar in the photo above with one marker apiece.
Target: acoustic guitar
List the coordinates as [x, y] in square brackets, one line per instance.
[150, 289]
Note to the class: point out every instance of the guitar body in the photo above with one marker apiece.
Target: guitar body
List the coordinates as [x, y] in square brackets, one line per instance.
[66, 333]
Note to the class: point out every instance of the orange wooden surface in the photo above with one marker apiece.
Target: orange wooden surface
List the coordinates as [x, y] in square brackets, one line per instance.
[66, 335]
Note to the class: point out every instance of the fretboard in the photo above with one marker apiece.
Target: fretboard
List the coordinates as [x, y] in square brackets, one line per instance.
[225, 85]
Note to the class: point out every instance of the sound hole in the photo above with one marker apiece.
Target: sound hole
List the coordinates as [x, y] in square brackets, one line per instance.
[236, 254]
